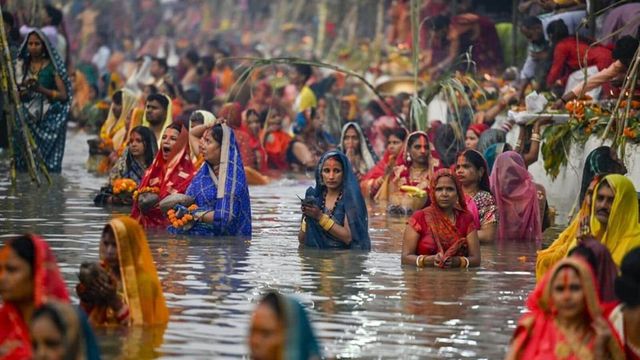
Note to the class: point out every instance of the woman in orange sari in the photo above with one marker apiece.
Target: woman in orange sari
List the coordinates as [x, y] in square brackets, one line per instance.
[565, 319]
[170, 173]
[29, 277]
[124, 288]
[443, 234]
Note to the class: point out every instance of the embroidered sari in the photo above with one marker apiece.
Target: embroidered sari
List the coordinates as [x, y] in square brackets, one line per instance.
[47, 120]
[437, 233]
[139, 285]
[48, 285]
[367, 156]
[171, 176]
[226, 195]
[517, 200]
[350, 206]
[538, 335]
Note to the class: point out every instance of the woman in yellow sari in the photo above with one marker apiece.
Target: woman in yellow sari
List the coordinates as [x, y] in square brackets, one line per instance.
[114, 129]
[124, 288]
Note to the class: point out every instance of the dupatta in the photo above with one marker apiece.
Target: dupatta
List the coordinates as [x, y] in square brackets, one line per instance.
[517, 200]
[538, 336]
[171, 176]
[367, 154]
[352, 203]
[300, 340]
[48, 285]
[115, 130]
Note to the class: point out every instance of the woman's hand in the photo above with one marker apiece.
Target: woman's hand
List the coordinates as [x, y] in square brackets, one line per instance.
[311, 211]
[603, 335]
[451, 262]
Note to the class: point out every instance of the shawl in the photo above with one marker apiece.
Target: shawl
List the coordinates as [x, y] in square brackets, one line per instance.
[352, 204]
[598, 162]
[48, 285]
[517, 200]
[300, 340]
[369, 157]
[113, 129]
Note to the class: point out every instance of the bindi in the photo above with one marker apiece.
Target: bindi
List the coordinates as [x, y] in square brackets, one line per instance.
[332, 163]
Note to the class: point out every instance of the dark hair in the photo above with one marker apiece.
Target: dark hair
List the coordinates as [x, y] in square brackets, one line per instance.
[252, 112]
[150, 144]
[159, 98]
[24, 248]
[478, 162]
[162, 63]
[192, 56]
[586, 254]
[191, 96]
[413, 138]
[440, 22]
[171, 89]
[557, 30]
[9, 19]
[400, 133]
[197, 117]
[208, 62]
[217, 133]
[447, 144]
[116, 98]
[375, 109]
[54, 13]
[627, 285]
[47, 310]
[304, 70]
[490, 137]
[531, 21]
[272, 300]
[176, 126]
[625, 49]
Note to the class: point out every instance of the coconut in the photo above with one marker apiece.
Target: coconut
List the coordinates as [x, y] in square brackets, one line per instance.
[172, 200]
[147, 201]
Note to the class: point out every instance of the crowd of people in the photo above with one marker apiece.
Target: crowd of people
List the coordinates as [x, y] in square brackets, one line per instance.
[181, 158]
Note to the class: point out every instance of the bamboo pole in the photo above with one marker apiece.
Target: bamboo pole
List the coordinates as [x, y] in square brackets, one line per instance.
[379, 39]
[514, 32]
[322, 27]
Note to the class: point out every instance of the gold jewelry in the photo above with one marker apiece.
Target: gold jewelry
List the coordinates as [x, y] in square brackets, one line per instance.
[420, 261]
[326, 222]
[54, 94]
[535, 137]
[303, 226]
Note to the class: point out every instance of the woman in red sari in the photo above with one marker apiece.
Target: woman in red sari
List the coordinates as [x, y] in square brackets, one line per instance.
[378, 177]
[29, 277]
[443, 234]
[231, 114]
[170, 173]
[565, 318]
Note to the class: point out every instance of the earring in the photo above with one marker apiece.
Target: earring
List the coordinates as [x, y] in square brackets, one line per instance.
[408, 157]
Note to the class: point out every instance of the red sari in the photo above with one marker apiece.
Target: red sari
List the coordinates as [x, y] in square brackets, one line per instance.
[48, 285]
[171, 176]
[368, 183]
[275, 145]
[232, 114]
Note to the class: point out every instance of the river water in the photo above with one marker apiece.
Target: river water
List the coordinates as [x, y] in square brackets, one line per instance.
[362, 304]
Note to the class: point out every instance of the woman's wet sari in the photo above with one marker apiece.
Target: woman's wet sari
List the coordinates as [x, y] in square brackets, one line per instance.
[139, 285]
[48, 285]
[538, 335]
[351, 206]
[226, 195]
[170, 176]
[300, 340]
[47, 120]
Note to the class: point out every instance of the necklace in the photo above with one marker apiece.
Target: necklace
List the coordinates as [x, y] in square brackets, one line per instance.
[420, 176]
[34, 72]
[572, 344]
[324, 199]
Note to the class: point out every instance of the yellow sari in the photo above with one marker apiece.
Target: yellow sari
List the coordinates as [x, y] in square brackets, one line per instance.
[114, 130]
[167, 121]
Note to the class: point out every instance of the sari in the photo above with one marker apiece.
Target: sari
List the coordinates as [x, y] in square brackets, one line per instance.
[517, 200]
[226, 195]
[598, 162]
[139, 284]
[438, 235]
[300, 339]
[114, 130]
[46, 120]
[538, 335]
[351, 206]
[369, 180]
[48, 285]
[232, 113]
[167, 121]
[622, 233]
[482, 205]
[368, 157]
[402, 171]
[276, 144]
[170, 176]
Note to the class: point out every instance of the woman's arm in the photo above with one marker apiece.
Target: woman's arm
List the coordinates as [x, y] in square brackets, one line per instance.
[487, 233]
[474, 249]
[59, 94]
[196, 133]
[410, 247]
[341, 232]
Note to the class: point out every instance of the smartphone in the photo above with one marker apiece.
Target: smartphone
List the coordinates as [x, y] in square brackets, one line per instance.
[308, 201]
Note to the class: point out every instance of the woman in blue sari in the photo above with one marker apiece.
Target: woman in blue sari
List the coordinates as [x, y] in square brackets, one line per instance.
[334, 211]
[45, 91]
[219, 188]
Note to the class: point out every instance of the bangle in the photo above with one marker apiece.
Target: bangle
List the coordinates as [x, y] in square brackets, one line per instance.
[420, 261]
[54, 94]
[535, 137]
[518, 144]
[466, 262]
[326, 222]
[303, 226]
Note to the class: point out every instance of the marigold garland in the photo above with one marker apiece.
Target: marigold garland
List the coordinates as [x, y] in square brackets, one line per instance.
[145, 189]
[123, 185]
[185, 219]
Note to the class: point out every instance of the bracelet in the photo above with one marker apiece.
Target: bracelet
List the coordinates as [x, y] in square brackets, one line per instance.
[303, 226]
[466, 262]
[54, 94]
[535, 137]
[419, 261]
[326, 222]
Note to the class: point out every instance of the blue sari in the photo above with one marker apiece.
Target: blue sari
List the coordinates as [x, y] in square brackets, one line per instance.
[47, 120]
[351, 205]
[227, 196]
[300, 341]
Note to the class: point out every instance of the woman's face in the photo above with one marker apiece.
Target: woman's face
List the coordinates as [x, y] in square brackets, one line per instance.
[109, 248]
[16, 277]
[471, 140]
[466, 172]
[210, 149]
[253, 123]
[136, 145]
[567, 294]
[275, 121]
[47, 341]
[35, 47]
[419, 151]
[117, 110]
[332, 174]
[169, 139]
[445, 193]
[266, 335]
[394, 145]
[351, 140]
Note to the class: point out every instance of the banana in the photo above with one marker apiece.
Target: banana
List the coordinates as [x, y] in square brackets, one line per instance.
[413, 191]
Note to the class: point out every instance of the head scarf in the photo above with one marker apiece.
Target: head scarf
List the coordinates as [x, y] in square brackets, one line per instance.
[209, 118]
[300, 340]
[599, 162]
[537, 328]
[404, 159]
[605, 269]
[48, 285]
[115, 129]
[352, 101]
[622, 233]
[167, 121]
[517, 200]
[354, 205]
[138, 273]
[478, 129]
[366, 152]
[492, 153]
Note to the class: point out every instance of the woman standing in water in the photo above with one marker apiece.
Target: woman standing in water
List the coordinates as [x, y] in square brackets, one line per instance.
[219, 188]
[123, 289]
[375, 183]
[334, 211]
[45, 91]
[565, 319]
[443, 234]
[29, 276]
[360, 154]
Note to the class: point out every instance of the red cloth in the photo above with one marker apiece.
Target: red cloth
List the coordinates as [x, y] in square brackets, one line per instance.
[171, 176]
[232, 115]
[258, 151]
[275, 145]
[478, 129]
[48, 285]
[567, 60]
[403, 165]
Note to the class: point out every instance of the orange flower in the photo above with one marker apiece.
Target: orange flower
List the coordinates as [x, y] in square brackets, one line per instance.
[629, 133]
